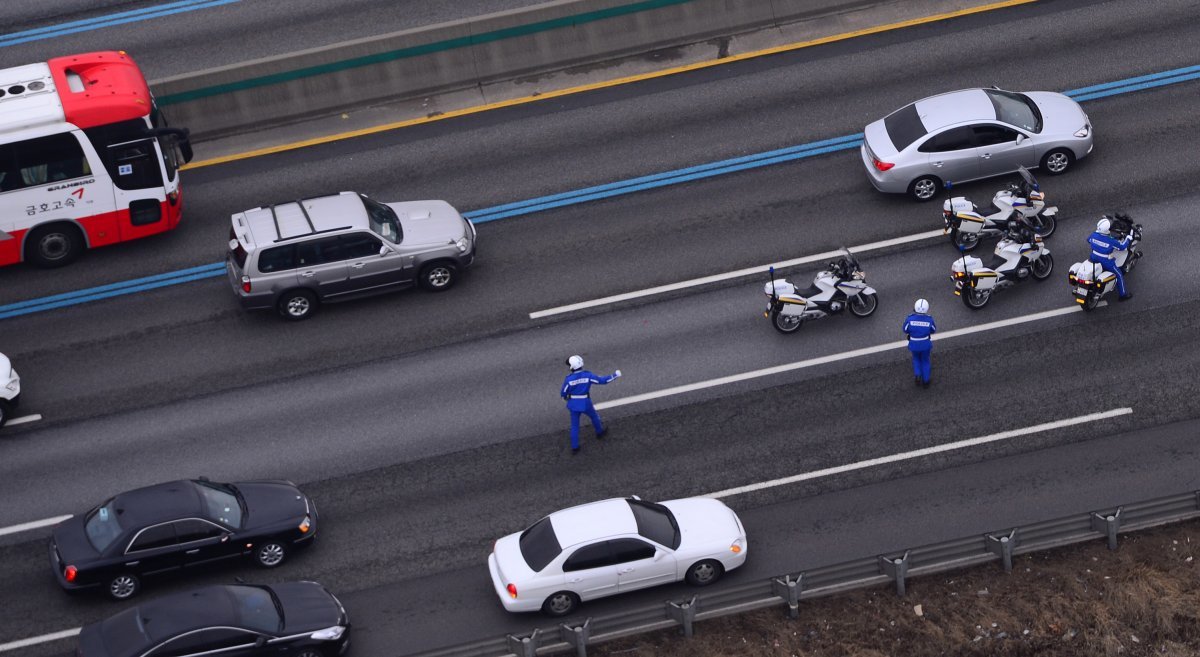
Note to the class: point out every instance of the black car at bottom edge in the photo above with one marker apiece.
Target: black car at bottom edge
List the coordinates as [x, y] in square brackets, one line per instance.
[300, 619]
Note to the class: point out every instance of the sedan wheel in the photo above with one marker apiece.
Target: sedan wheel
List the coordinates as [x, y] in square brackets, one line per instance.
[122, 587]
[560, 604]
[1057, 161]
[270, 554]
[924, 188]
[704, 573]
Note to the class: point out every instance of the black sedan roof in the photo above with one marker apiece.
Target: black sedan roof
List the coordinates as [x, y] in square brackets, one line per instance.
[140, 628]
[158, 503]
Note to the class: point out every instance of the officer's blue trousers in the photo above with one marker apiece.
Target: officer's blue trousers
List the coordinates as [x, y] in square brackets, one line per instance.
[1111, 265]
[590, 411]
[920, 359]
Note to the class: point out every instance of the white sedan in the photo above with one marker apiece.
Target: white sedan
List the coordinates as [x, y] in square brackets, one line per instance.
[613, 546]
[10, 389]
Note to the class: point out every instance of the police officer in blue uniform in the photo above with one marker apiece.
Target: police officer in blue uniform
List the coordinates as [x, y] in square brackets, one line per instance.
[1104, 253]
[575, 390]
[919, 327]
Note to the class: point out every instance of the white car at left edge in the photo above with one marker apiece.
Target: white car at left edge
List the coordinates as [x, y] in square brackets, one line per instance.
[10, 390]
[615, 546]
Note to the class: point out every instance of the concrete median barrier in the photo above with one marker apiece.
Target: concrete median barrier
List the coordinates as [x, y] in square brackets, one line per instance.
[475, 52]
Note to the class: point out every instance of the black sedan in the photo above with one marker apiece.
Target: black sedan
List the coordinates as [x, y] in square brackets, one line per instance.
[296, 618]
[179, 526]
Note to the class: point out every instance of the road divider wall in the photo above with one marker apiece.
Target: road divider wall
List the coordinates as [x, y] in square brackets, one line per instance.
[474, 52]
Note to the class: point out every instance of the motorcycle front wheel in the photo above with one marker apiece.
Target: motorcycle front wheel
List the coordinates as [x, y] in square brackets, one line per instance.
[1042, 267]
[862, 305]
[1130, 262]
[1048, 225]
[785, 323]
[975, 299]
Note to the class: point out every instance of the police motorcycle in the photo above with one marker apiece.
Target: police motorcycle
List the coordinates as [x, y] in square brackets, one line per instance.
[1021, 254]
[838, 287]
[966, 226]
[1089, 281]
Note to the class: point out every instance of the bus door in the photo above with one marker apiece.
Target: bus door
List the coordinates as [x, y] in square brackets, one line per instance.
[138, 187]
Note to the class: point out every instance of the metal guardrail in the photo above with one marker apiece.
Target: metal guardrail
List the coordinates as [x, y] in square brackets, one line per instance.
[791, 588]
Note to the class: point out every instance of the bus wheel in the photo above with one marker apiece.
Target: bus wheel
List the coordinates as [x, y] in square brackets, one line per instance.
[55, 245]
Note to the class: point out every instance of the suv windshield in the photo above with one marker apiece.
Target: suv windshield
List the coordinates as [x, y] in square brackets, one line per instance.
[221, 503]
[1015, 109]
[383, 220]
[655, 522]
[256, 608]
[102, 527]
[904, 127]
[539, 544]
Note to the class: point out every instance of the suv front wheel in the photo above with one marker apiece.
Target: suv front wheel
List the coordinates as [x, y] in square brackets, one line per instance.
[298, 304]
[438, 276]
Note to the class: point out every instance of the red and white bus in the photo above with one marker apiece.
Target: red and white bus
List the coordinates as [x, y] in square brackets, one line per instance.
[86, 159]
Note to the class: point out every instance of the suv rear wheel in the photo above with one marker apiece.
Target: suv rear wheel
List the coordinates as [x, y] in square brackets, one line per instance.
[298, 304]
[438, 276]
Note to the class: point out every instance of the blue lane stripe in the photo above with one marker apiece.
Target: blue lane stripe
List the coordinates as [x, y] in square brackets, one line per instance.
[114, 293]
[110, 20]
[218, 266]
[677, 176]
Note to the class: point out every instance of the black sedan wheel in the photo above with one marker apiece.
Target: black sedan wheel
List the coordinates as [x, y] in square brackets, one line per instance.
[270, 554]
[123, 586]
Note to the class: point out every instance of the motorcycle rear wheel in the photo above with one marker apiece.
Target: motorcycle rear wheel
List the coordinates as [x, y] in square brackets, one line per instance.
[862, 305]
[1091, 300]
[785, 323]
[975, 299]
[964, 241]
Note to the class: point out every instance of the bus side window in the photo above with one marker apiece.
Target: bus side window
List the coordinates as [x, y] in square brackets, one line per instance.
[134, 165]
[10, 178]
[49, 159]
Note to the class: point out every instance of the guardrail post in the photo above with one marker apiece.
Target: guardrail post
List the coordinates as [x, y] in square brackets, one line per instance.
[577, 637]
[1002, 546]
[1108, 524]
[684, 613]
[789, 589]
[525, 646]
[897, 569]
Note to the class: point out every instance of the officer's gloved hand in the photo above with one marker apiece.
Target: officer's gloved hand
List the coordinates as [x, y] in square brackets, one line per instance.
[617, 374]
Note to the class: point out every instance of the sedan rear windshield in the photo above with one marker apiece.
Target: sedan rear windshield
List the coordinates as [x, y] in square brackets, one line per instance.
[1015, 109]
[904, 127]
[102, 526]
[655, 522]
[539, 545]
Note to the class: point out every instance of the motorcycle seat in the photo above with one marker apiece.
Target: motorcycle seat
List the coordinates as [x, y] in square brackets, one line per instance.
[812, 291]
[996, 263]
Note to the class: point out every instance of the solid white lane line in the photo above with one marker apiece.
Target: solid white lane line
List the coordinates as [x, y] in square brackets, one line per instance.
[26, 419]
[24, 527]
[45, 638]
[904, 456]
[822, 360]
[729, 275]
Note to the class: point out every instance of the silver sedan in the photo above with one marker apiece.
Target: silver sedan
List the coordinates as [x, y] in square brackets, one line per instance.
[971, 134]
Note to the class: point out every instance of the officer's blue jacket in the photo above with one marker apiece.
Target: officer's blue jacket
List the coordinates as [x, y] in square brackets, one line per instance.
[919, 327]
[576, 386]
[1104, 247]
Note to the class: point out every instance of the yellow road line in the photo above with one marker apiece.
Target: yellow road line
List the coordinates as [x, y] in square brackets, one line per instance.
[607, 83]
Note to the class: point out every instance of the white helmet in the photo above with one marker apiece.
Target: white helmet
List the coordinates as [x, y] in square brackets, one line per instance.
[921, 306]
[575, 363]
[1103, 225]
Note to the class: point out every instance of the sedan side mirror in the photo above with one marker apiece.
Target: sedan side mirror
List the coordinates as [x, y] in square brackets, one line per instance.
[383, 250]
[260, 641]
[1020, 139]
[659, 554]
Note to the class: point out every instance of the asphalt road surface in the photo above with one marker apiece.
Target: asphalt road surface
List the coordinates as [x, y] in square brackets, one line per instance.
[426, 426]
[182, 36]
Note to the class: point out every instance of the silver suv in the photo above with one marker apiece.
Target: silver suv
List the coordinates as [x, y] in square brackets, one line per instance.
[295, 256]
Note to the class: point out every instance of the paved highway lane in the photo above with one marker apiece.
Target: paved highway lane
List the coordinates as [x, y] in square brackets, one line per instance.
[178, 382]
[181, 36]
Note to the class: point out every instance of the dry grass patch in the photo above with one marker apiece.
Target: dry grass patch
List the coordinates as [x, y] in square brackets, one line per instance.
[1143, 599]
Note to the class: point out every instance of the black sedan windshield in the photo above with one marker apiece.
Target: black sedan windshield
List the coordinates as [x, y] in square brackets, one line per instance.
[221, 504]
[257, 609]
